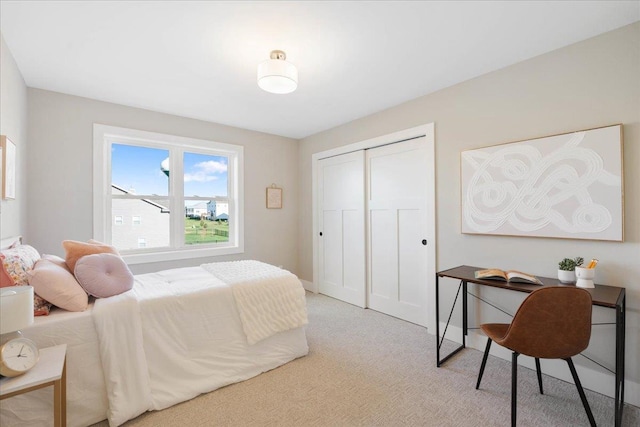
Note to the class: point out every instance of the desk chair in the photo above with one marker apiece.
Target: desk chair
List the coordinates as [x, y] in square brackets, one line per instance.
[551, 323]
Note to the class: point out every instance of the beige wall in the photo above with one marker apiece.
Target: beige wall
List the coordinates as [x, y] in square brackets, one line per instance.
[60, 167]
[589, 84]
[13, 124]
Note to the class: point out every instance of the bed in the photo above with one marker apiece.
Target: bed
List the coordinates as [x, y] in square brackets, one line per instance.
[176, 334]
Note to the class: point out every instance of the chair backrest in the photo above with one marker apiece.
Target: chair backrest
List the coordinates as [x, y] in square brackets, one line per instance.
[552, 322]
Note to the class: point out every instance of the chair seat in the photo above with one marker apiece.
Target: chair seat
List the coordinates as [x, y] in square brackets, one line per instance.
[495, 331]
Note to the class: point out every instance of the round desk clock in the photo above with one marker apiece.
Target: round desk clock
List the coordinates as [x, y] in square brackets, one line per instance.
[17, 356]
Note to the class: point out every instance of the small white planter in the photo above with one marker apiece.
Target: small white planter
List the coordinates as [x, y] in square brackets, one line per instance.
[585, 277]
[567, 276]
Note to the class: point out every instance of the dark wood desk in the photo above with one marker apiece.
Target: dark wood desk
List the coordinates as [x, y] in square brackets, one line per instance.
[602, 296]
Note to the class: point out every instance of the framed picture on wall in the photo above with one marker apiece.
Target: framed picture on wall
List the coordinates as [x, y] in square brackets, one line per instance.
[8, 149]
[563, 186]
[274, 197]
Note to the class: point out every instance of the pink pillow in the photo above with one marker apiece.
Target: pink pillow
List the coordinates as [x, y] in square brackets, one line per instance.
[76, 250]
[103, 275]
[57, 285]
[95, 242]
[56, 260]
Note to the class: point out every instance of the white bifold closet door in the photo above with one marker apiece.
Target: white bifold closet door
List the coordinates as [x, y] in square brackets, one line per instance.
[398, 230]
[341, 221]
[373, 228]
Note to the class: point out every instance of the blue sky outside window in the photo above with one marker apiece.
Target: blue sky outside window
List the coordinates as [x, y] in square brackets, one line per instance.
[139, 169]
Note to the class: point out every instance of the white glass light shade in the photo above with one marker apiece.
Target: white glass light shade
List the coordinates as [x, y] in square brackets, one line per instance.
[16, 308]
[277, 76]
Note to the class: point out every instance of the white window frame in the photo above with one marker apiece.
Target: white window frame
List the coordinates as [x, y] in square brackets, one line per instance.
[104, 136]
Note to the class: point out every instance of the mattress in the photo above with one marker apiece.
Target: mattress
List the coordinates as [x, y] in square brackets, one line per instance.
[223, 355]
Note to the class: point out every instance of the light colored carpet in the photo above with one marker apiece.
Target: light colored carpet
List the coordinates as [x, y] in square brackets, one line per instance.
[368, 369]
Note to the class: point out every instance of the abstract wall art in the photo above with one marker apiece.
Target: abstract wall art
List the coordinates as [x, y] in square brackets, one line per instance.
[561, 186]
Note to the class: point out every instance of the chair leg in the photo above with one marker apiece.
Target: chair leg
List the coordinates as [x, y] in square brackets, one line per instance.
[539, 372]
[484, 362]
[592, 421]
[514, 387]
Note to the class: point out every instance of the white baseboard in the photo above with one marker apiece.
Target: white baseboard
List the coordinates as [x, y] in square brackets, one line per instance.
[600, 382]
[309, 286]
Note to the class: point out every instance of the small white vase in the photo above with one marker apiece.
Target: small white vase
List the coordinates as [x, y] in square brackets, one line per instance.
[566, 276]
[585, 277]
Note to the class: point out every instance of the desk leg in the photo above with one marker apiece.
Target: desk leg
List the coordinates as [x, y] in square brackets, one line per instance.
[465, 319]
[620, 349]
[463, 285]
[63, 390]
[60, 398]
[57, 403]
[437, 321]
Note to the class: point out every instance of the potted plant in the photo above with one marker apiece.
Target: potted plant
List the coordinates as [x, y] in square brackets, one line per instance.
[567, 267]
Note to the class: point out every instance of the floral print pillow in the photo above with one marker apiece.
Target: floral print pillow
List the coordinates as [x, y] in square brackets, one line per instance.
[16, 262]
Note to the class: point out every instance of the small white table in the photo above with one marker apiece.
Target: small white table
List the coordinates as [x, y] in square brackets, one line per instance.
[51, 369]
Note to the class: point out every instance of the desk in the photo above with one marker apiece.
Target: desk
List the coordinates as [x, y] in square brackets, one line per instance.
[50, 370]
[602, 296]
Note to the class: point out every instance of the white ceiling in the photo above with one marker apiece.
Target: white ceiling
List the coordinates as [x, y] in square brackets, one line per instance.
[199, 59]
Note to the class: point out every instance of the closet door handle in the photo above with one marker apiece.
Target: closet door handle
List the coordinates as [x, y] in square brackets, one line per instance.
[424, 242]
[321, 234]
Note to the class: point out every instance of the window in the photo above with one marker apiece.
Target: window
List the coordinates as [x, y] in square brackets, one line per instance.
[189, 192]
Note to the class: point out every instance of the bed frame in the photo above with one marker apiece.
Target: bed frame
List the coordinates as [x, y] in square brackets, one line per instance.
[6, 243]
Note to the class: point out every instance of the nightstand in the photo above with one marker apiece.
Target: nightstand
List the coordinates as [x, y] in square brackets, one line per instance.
[50, 370]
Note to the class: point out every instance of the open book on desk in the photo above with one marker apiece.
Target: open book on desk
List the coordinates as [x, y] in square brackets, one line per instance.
[509, 276]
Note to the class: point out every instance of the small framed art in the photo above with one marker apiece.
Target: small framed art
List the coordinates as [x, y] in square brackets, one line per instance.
[8, 149]
[274, 197]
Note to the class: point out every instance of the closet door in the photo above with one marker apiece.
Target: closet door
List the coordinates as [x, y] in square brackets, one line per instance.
[341, 221]
[397, 227]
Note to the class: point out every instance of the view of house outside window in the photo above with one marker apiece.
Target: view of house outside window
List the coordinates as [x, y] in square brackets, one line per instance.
[205, 220]
[160, 197]
[140, 187]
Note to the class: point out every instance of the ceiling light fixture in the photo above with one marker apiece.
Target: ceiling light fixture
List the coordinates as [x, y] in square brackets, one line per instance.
[276, 75]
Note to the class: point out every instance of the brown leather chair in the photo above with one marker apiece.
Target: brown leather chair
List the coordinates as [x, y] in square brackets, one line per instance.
[551, 323]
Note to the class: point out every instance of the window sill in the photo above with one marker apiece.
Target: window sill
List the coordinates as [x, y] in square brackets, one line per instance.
[178, 254]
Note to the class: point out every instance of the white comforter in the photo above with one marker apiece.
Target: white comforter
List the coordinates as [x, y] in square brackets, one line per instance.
[181, 332]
